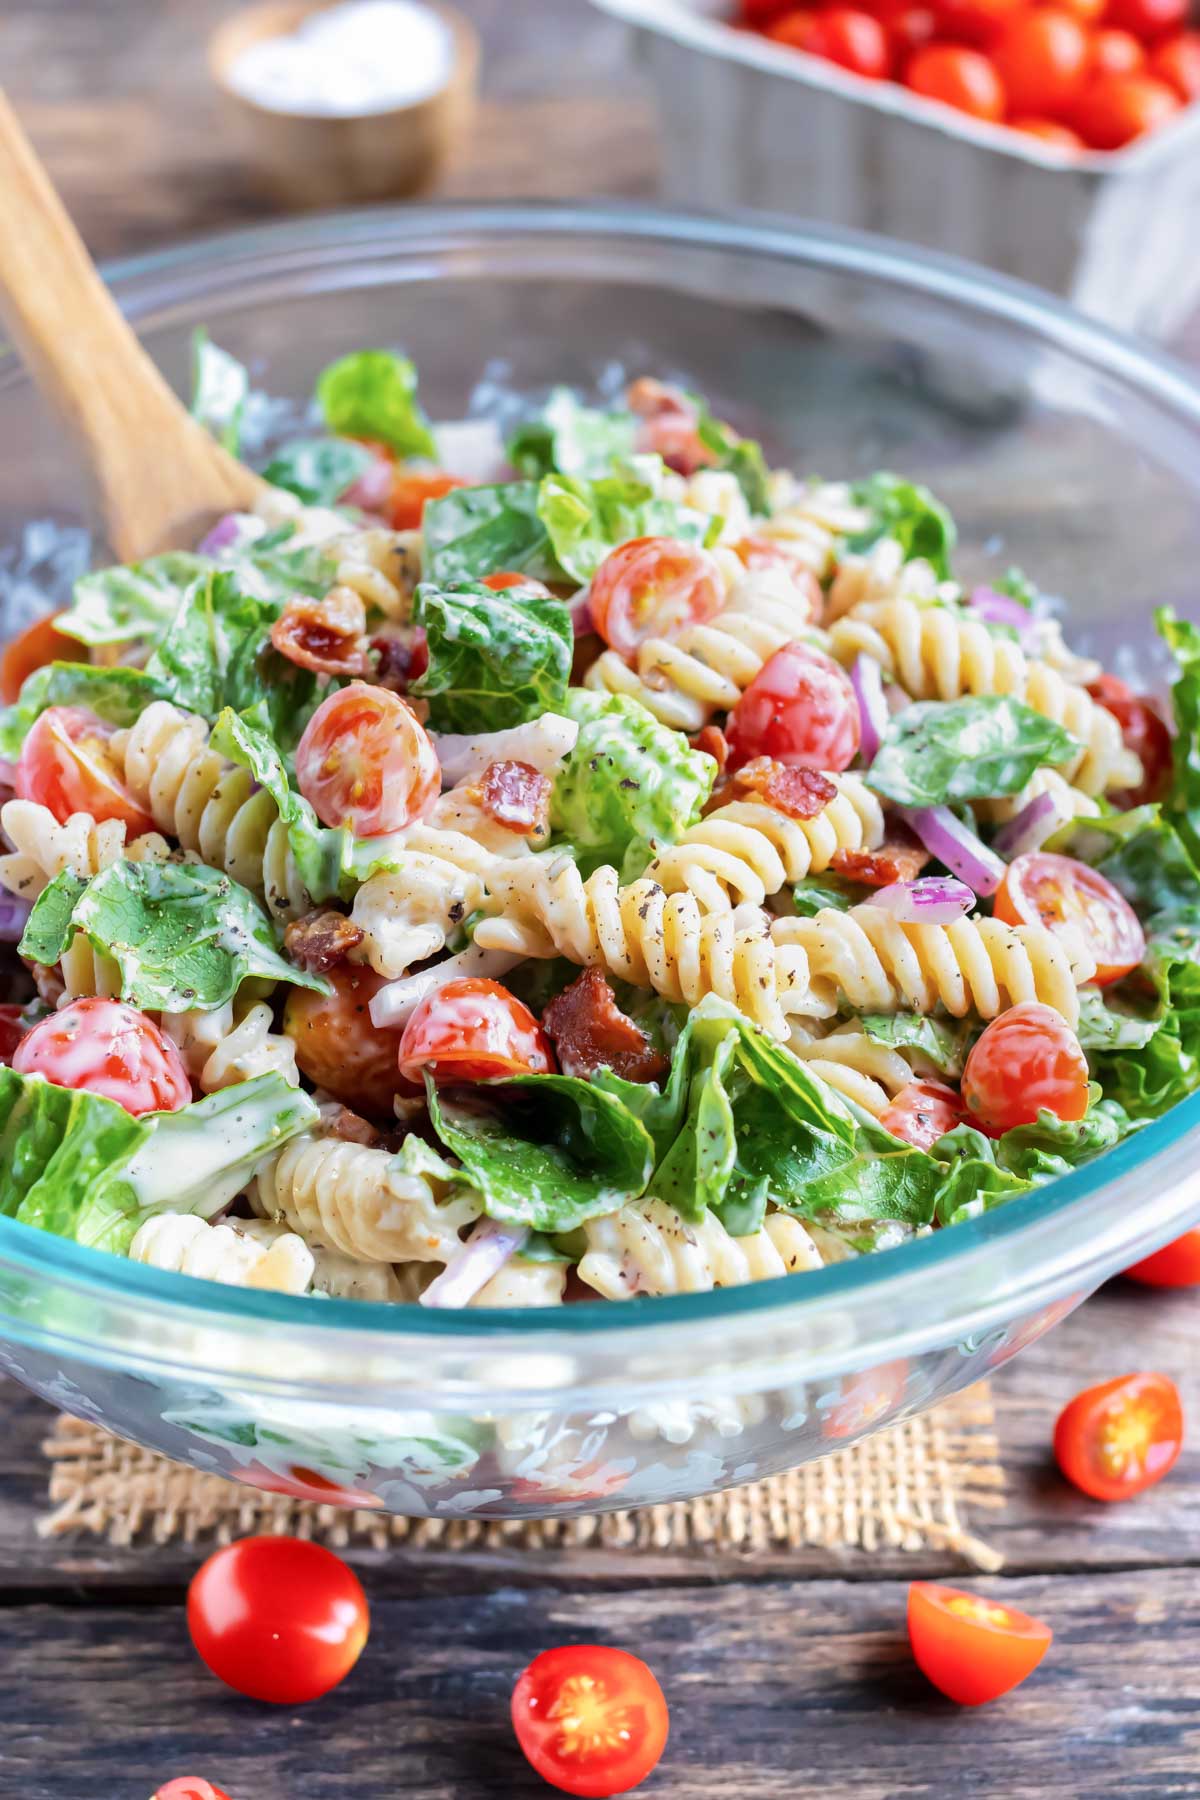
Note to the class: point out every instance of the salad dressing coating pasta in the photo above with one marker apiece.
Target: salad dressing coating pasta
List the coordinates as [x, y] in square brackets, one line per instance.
[42, 848]
[651, 1249]
[185, 1244]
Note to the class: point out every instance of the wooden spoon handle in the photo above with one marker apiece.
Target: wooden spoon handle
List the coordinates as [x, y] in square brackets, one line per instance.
[160, 477]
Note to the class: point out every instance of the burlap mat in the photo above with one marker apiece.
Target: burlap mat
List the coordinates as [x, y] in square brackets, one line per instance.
[909, 1488]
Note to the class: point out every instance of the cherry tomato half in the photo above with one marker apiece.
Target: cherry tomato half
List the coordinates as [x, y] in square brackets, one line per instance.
[507, 581]
[972, 1649]
[1143, 731]
[473, 1030]
[650, 587]
[1026, 1060]
[190, 1787]
[39, 644]
[964, 79]
[366, 761]
[923, 1112]
[800, 709]
[405, 506]
[852, 39]
[1074, 901]
[106, 1048]
[337, 1045]
[1115, 52]
[1177, 62]
[1176, 1265]
[64, 765]
[277, 1618]
[1116, 1440]
[1042, 57]
[1113, 110]
[591, 1720]
[1147, 19]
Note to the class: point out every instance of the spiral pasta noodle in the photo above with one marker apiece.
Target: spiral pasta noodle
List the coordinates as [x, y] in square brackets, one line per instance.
[649, 938]
[383, 569]
[185, 1244]
[937, 653]
[231, 1043]
[855, 1065]
[884, 572]
[362, 1202]
[42, 848]
[524, 1283]
[744, 852]
[649, 1248]
[875, 963]
[811, 518]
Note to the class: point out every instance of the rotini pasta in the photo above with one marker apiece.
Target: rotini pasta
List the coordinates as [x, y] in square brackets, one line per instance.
[185, 1244]
[42, 848]
[231, 1043]
[884, 572]
[869, 1073]
[648, 1248]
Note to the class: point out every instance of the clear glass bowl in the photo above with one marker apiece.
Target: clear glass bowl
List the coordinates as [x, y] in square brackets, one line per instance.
[1059, 446]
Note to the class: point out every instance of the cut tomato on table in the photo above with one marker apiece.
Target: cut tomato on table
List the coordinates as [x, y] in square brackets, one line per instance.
[972, 1649]
[958, 77]
[1042, 57]
[1077, 903]
[650, 587]
[31, 649]
[277, 1618]
[1026, 1061]
[591, 1720]
[1176, 1265]
[190, 1787]
[1116, 1440]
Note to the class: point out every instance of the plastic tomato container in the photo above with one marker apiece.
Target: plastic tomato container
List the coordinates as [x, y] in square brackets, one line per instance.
[818, 342]
[745, 122]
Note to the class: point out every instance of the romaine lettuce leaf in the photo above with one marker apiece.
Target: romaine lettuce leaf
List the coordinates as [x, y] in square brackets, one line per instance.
[944, 1042]
[181, 934]
[908, 512]
[220, 387]
[983, 1172]
[373, 394]
[494, 659]
[62, 1153]
[1104, 1027]
[569, 438]
[472, 532]
[119, 696]
[1183, 802]
[1140, 852]
[199, 1158]
[1148, 1079]
[548, 1151]
[974, 749]
[318, 470]
[629, 783]
[110, 606]
[588, 518]
[815, 892]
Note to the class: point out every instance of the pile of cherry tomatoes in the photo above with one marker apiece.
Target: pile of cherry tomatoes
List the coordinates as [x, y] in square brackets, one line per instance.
[1076, 74]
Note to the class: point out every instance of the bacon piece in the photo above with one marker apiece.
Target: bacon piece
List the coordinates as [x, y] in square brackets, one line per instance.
[324, 635]
[589, 1031]
[517, 796]
[713, 742]
[801, 793]
[339, 1122]
[397, 660]
[892, 861]
[321, 939]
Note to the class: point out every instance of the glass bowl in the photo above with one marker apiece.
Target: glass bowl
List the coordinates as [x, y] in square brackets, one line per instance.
[1058, 445]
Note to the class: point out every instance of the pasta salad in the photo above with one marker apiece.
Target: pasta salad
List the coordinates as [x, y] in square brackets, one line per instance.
[595, 864]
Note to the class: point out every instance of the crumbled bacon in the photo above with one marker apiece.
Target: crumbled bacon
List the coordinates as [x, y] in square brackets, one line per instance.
[589, 1031]
[397, 661]
[339, 1122]
[517, 796]
[325, 635]
[801, 793]
[321, 939]
[892, 861]
[713, 742]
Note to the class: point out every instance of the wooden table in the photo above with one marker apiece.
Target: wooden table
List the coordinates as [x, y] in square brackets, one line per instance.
[786, 1676]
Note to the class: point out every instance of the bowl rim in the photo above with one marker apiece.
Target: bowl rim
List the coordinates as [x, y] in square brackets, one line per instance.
[926, 1266]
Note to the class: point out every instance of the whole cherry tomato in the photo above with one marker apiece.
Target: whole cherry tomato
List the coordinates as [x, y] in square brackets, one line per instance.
[1143, 731]
[974, 22]
[972, 1649]
[1025, 1061]
[277, 1618]
[852, 39]
[800, 709]
[653, 586]
[910, 28]
[1042, 57]
[473, 1030]
[1147, 19]
[964, 79]
[591, 1720]
[411, 490]
[1075, 902]
[65, 765]
[1177, 61]
[31, 649]
[190, 1787]
[792, 28]
[1049, 131]
[1115, 52]
[1116, 1440]
[1176, 1265]
[338, 1047]
[106, 1048]
[1086, 11]
[1113, 110]
[365, 761]
[759, 13]
[923, 1112]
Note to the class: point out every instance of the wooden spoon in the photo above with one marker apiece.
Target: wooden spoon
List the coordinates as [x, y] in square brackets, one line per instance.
[160, 479]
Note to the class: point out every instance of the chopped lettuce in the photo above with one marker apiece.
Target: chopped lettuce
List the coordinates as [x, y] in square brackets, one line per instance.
[1148, 1078]
[557, 1152]
[181, 934]
[982, 1172]
[220, 388]
[629, 783]
[110, 606]
[1104, 1027]
[199, 1158]
[318, 470]
[816, 892]
[943, 1042]
[472, 532]
[908, 512]
[939, 751]
[1183, 802]
[569, 438]
[588, 518]
[373, 394]
[118, 696]
[1140, 852]
[495, 659]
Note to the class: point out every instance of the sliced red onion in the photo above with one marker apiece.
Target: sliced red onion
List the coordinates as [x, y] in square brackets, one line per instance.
[1035, 822]
[934, 900]
[1000, 609]
[866, 678]
[953, 843]
[392, 1006]
[14, 914]
[223, 534]
[897, 700]
[581, 613]
[371, 489]
[483, 1255]
[8, 774]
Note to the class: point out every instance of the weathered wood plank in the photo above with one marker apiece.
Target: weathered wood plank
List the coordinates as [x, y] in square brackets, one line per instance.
[785, 1690]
